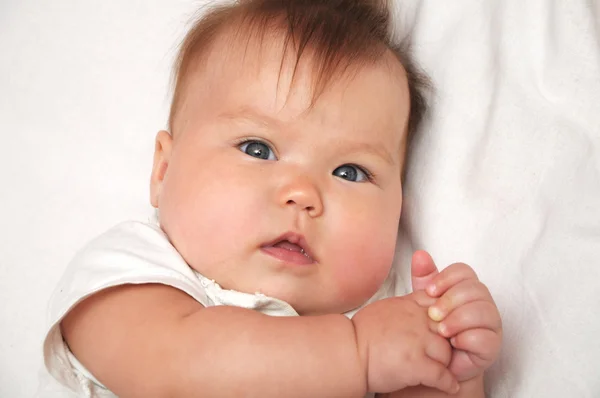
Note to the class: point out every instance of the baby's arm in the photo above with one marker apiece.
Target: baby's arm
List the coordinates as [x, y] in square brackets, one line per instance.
[156, 341]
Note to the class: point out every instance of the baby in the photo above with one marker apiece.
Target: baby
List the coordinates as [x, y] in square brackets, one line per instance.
[279, 190]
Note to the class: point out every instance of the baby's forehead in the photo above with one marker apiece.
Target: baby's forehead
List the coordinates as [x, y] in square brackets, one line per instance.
[270, 60]
[262, 72]
[278, 71]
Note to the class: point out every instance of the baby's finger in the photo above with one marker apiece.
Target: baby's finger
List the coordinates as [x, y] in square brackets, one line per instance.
[436, 375]
[464, 292]
[449, 277]
[422, 299]
[475, 315]
[481, 345]
[439, 349]
[462, 366]
[423, 270]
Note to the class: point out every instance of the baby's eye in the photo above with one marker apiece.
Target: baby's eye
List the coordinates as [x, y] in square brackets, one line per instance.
[258, 150]
[352, 172]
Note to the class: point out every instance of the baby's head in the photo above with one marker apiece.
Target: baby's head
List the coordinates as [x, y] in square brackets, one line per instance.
[281, 173]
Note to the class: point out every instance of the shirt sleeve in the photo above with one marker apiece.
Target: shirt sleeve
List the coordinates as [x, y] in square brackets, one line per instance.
[129, 253]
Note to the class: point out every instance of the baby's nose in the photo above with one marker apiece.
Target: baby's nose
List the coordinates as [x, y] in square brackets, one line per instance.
[303, 194]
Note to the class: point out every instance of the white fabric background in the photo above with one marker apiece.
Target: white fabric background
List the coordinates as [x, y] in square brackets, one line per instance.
[505, 175]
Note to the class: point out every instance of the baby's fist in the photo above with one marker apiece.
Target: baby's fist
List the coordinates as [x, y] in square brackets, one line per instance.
[468, 316]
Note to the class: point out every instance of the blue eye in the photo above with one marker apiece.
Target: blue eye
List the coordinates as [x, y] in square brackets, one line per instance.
[352, 173]
[257, 149]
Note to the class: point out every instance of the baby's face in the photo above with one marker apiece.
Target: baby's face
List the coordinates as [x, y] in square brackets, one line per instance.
[263, 194]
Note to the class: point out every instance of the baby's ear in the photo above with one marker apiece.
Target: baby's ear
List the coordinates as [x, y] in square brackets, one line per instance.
[162, 154]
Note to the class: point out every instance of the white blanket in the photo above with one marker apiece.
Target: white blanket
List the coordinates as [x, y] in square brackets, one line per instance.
[506, 177]
[505, 174]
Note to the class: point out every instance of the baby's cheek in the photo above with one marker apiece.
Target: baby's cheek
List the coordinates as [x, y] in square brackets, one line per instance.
[367, 258]
[362, 274]
[198, 221]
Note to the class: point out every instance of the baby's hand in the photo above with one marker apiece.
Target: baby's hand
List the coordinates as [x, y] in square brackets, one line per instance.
[400, 347]
[467, 315]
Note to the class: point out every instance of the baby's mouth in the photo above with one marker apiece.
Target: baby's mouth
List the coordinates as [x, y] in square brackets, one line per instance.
[290, 248]
[287, 245]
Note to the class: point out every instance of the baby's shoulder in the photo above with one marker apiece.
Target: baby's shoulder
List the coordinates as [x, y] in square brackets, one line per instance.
[130, 253]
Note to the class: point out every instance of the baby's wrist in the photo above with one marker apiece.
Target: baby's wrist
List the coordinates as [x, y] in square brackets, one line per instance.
[361, 351]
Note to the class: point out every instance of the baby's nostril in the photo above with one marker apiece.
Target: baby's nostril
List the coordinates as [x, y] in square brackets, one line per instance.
[293, 202]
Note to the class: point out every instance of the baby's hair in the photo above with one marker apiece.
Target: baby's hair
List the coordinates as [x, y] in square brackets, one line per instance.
[338, 34]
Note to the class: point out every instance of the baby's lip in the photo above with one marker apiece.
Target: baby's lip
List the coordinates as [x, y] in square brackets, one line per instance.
[296, 239]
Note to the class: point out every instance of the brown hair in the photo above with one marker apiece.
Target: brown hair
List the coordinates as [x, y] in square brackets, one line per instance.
[339, 33]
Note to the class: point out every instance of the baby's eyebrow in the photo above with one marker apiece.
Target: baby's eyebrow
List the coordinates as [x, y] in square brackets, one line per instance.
[358, 147]
[251, 116]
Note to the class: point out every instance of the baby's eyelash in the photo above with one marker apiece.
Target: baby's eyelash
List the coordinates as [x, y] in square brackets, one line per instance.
[370, 175]
[245, 140]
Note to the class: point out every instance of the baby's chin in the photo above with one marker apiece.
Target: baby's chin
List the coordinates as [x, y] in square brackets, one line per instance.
[330, 305]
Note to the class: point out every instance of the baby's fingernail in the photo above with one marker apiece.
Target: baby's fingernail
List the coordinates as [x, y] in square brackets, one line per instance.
[431, 289]
[453, 341]
[435, 314]
[442, 329]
